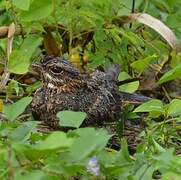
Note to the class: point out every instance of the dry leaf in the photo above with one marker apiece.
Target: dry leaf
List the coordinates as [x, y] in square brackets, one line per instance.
[153, 23]
[1, 105]
[159, 27]
[11, 31]
[51, 46]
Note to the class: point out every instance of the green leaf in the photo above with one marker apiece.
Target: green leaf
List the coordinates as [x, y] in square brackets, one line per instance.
[157, 146]
[23, 131]
[165, 159]
[13, 86]
[96, 59]
[170, 175]
[151, 106]
[38, 10]
[145, 171]
[175, 73]
[20, 59]
[54, 141]
[30, 44]
[174, 108]
[89, 141]
[142, 64]
[129, 87]
[124, 149]
[14, 110]
[22, 4]
[71, 119]
[18, 63]
[35, 175]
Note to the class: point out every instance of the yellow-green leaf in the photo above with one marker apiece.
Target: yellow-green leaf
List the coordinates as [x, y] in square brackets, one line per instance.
[14, 110]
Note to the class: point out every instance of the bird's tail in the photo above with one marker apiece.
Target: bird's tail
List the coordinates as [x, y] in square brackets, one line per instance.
[112, 74]
[134, 98]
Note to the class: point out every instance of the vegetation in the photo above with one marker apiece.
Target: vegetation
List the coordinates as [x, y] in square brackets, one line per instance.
[92, 34]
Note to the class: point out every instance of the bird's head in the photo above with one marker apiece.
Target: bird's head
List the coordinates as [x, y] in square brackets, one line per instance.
[56, 71]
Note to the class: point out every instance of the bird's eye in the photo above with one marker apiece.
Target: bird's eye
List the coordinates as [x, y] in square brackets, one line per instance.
[56, 70]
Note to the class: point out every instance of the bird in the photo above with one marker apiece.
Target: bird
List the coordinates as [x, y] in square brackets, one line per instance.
[64, 87]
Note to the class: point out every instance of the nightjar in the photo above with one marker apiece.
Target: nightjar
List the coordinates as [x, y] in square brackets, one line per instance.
[65, 88]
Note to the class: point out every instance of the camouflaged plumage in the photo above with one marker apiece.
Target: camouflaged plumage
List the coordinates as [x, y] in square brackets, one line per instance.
[65, 88]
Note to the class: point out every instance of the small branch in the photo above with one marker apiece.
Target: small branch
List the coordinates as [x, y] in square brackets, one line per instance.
[20, 31]
[10, 36]
[133, 7]
[4, 31]
[127, 81]
[11, 31]
[9, 163]
[132, 11]
[4, 79]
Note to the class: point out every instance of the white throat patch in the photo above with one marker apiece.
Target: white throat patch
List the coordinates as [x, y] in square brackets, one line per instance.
[48, 76]
[51, 86]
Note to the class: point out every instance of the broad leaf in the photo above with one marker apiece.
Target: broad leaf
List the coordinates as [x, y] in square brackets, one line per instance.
[38, 10]
[144, 171]
[174, 108]
[142, 64]
[71, 118]
[14, 110]
[151, 106]
[20, 59]
[18, 63]
[165, 159]
[129, 87]
[30, 45]
[171, 175]
[35, 175]
[54, 141]
[124, 149]
[23, 131]
[89, 141]
[157, 147]
[22, 4]
[170, 75]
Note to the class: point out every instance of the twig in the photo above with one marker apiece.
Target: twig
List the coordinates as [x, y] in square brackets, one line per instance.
[127, 81]
[9, 163]
[132, 11]
[10, 35]
[20, 31]
[4, 31]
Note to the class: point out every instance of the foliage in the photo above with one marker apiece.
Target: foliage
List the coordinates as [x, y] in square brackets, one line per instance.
[71, 119]
[92, 34]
